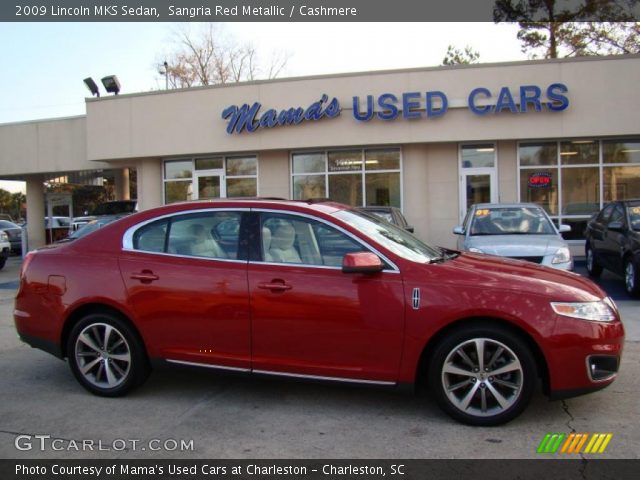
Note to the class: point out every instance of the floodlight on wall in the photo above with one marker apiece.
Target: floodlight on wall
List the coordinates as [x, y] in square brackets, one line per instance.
[111, 84]
[91, 85]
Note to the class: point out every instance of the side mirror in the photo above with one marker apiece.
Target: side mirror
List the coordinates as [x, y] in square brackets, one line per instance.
[615, 226]
[564, 228]
[409, 229]
[361, 262]
[459, 230]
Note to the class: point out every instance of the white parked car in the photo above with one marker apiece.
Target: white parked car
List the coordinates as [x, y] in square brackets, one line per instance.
[521, 231]
[5, 248]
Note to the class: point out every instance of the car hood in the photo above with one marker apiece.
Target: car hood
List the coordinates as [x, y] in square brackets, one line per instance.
[490, 272]
[517, 245]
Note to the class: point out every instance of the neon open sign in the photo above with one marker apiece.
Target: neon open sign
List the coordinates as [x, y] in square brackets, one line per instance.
[539, 180]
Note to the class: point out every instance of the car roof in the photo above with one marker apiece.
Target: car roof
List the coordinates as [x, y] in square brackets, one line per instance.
[506, 205]
[319, 205]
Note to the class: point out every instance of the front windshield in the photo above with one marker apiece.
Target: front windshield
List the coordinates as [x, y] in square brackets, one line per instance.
[394, 239]
[634, 217]
[511, 221]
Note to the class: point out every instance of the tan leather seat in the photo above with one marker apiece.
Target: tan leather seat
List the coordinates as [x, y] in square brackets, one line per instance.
[282, 248]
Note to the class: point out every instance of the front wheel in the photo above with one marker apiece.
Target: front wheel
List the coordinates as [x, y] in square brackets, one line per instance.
[482, 375]
[631, 281]
[106, 356]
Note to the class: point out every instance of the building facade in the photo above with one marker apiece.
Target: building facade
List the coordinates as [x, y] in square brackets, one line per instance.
[561, 133]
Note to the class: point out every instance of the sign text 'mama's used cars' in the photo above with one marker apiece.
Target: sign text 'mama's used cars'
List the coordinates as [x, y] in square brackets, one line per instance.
[520, 231]
[315, 290]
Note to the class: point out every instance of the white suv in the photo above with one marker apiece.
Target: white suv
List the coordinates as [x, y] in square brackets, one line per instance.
[5, 248]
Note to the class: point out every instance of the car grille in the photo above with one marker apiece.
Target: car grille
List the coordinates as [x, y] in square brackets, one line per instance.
[529, 259]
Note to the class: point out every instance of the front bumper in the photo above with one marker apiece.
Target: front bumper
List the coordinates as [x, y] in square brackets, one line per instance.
[584, 356]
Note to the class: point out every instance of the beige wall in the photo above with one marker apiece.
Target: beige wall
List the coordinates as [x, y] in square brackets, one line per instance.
[46, 146]
[507, 172]
[274, 177]
[150, 183]
[189, 121]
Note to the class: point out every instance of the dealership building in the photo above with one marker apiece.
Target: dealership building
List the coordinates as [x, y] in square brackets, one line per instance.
[564, 134]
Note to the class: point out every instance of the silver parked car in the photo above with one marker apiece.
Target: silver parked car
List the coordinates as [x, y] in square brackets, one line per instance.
[521, 231]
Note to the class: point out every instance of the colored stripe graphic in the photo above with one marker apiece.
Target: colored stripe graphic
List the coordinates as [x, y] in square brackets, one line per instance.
[574, 442]
[551, 442]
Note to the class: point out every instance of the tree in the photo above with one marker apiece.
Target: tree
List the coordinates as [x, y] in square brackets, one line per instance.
[209, 56]
[455, 56]
[551, 29]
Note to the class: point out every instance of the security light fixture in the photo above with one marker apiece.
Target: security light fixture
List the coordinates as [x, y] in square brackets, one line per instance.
[111, 84]
[91, 85]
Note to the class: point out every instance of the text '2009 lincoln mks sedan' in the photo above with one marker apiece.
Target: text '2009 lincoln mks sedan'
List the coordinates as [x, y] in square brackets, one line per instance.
[317, 291]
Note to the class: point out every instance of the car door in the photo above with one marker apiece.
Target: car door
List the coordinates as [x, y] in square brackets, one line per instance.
[188, 288]
[311, 319]
[597, 230]
[614, 239]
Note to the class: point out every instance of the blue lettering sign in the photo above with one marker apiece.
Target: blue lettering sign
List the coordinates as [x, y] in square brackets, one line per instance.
[472, 101]
[558, 102]
[444, 104]
[356, 109]
[246, 117]
[408, 104]
[387, 102]
[530, 94]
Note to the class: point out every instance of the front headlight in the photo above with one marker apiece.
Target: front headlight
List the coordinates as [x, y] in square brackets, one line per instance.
[594, 311]
[3, 237]
[475, 250]
[562, 256]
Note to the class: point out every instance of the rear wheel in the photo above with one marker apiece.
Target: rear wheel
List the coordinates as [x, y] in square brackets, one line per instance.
[631, 280]
[593, 269]
[482, 375]
[3, 260]
[106, 355]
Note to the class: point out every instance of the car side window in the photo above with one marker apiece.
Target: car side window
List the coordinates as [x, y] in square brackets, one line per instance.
[151, 237]
[617, 215]
[604, 214]
[206, 234]
[293, 239]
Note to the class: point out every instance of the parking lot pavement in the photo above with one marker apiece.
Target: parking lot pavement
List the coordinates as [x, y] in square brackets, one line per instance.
[240, 417]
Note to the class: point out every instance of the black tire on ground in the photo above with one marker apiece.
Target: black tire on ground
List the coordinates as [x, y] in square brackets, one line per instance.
[106, 355]
[631, 280]
[3, 260]
[495, 390]
[593, 268]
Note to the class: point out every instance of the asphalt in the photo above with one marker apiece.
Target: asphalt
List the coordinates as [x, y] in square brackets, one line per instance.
[239, 417]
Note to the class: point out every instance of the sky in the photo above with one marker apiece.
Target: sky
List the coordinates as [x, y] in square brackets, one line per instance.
[43, 64]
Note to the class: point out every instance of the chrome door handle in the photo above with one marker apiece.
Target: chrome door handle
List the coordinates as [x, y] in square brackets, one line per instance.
[146, 276]
[275, 286]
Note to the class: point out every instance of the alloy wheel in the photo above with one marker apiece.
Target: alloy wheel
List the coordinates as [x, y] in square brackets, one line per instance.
[103, 355]
[482, 377]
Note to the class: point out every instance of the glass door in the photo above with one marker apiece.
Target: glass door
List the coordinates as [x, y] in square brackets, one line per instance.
[477, 186]
[210, 184]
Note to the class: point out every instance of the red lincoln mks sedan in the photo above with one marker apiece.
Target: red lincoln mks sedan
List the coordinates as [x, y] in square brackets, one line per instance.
[317, 291]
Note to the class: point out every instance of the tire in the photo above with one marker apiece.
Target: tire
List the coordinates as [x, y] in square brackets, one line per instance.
[476, 397]
[112, 371]
[3, 260]
[593, 269]
[631, 280]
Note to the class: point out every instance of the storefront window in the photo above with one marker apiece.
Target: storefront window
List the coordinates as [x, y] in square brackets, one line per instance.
[340, 176]
[309, 163]
[621, 183]
[621, 151]
[540, 186]
[214, 163]
[534, 154]
[207, 174]
[478, 156]
[177, 191]
[579, 152]
[580, 191]
[570, 187]
[178, 169]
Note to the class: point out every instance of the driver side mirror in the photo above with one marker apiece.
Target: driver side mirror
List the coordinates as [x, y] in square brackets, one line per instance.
[459, 230]
[361, 262]
[564, 228]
